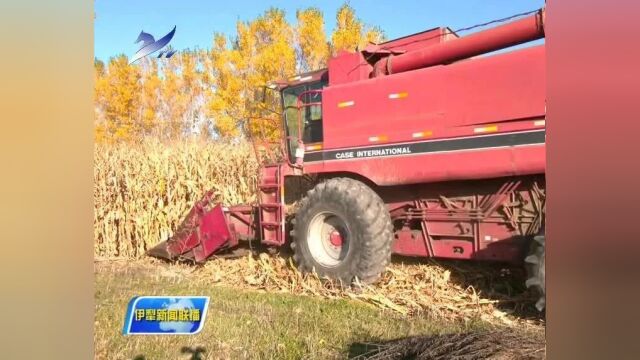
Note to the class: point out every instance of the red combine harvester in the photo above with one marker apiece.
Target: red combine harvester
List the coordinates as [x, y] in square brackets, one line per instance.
[426, 145]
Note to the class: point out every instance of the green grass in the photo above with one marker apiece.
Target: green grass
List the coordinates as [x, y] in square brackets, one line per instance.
[246, 324]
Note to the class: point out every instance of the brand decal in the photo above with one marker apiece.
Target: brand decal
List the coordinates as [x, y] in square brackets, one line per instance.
[432, 146]
[373, 152]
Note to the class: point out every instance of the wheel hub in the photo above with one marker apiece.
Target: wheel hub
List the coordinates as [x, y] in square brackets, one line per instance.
[328, 239]
[335, 238]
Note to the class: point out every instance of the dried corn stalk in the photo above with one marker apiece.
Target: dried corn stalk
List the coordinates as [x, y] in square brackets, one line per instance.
[143, 191]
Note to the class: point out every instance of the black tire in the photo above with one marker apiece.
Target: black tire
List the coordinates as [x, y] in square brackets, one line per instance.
[363, 222]
[535, 269]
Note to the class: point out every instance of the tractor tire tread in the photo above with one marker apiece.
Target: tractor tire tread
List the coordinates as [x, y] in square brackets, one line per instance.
[366, 210]
[534, 264]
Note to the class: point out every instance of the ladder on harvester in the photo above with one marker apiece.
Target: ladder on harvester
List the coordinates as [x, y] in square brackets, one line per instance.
[271, 205]
[270, 190]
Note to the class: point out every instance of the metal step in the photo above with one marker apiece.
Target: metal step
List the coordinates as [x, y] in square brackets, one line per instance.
[268, 224]
[271, 206]
[268, 187]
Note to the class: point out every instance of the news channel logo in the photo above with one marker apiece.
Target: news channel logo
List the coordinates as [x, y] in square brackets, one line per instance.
[150, 45]
[165, 315]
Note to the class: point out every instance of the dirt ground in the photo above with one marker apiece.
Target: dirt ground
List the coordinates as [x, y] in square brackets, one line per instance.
[262, 308]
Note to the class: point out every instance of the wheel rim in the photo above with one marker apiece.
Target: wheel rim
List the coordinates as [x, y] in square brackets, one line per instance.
[328, 238]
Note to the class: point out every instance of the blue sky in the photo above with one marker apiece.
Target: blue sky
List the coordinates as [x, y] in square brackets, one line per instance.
[118, 22]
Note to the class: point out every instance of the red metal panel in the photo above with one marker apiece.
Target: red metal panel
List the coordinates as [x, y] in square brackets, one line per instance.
[212, 233]
[487, 219]
[453, 249]
[241, 220]
[348, 67]
[480, 164]
[410, 244]
[447, 100]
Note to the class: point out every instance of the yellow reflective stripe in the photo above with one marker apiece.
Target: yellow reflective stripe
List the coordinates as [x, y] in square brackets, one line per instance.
[422, 134]
[486, 129]
[378, 138]
[346, 103]
[399, 95]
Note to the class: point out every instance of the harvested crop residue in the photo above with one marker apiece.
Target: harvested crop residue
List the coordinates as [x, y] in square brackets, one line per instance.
[502, 344]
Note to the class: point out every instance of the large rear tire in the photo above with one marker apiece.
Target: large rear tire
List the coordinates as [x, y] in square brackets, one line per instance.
[535, 269]
[343, 231]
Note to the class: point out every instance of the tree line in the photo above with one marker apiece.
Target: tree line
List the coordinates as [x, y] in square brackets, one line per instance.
[210, 93]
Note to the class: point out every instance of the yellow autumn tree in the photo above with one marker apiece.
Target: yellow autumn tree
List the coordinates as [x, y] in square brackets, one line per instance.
[312, 42]
[373, 35]
[179, 90]
[98, 67]
[261, 52]
[99, 72]
[118, 95]
[213, 91]
[350, 33]
[150, 97]
[224, 105]
[192, 89]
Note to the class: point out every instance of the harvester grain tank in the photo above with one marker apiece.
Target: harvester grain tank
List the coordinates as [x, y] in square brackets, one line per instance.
[429, 145]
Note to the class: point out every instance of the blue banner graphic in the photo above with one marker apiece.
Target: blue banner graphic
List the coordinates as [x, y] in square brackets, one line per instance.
[165, 315]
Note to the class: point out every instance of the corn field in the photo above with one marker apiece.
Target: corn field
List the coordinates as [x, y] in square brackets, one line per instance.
[142, 191]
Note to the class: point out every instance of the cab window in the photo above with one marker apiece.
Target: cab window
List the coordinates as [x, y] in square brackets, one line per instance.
[311, 120]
